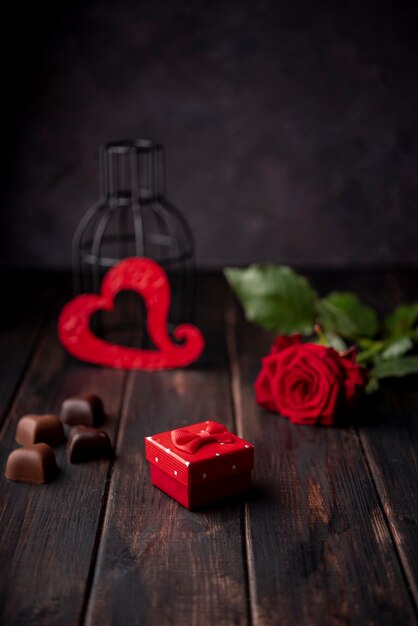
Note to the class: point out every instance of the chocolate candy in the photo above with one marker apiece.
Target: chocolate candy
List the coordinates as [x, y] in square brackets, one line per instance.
[88, 444]
[86, 410]
[39, 429]
[32, 464]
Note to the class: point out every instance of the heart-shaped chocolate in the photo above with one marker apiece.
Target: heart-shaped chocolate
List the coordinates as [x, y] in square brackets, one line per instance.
[32, 464]
[88, 444]
[39, 429]
[148, 279]
[87, 410]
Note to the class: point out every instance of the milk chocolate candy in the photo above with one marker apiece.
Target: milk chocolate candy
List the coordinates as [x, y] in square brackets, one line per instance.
[88, 444]
[86, 410]
[39, 429]
[32, 464]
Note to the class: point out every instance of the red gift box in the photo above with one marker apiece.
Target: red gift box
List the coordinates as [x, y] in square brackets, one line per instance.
[200, 463]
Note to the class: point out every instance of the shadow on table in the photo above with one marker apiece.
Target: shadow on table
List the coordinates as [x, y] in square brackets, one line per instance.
[397, 398]
[257, 493]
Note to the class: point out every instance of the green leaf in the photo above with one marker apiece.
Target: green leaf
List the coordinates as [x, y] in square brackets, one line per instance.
[335, 341]
[402, 320]
[372, 385]
[343, 313]
[329, 339]
[275, 297]
[366, 343]
[397, 347]
[395, 367]
[370, 352]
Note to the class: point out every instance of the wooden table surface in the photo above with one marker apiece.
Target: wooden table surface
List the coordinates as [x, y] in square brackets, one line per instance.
[327, 536]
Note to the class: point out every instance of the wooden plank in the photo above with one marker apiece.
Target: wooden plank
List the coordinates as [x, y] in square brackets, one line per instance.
[48, 532]
[320, 551]
[389, 434]
[26, 305]
[390, 440]
[388, 424]
[159, 563]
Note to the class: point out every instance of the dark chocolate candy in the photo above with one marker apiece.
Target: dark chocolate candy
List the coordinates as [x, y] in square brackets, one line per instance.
[88, 444]
[39, 429]
[32, 464]
[86, 410]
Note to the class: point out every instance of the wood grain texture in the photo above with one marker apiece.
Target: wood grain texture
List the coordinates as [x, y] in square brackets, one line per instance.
[388, 431]
[158, 562]
[26, 304]
[320, 551]
[330, 529]
[47, 532]
[390, 441]
[387, 422]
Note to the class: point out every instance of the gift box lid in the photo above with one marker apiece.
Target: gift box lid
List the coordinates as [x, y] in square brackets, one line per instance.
[199, 453]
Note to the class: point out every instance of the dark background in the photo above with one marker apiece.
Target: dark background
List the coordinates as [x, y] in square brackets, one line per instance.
[291, 128]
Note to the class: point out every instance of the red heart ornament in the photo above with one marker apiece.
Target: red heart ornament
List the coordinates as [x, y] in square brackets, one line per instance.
[150, 281]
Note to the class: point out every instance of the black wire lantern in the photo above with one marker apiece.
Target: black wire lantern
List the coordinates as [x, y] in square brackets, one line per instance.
[134, 218]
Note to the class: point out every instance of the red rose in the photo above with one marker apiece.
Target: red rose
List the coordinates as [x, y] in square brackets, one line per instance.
[307, 382]
[284, 341]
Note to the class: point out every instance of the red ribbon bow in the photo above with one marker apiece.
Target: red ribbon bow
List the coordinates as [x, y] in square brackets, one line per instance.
[190, 442]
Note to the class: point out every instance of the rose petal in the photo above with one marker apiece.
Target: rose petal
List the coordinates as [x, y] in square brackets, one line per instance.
[283, 341]
[263, 392]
